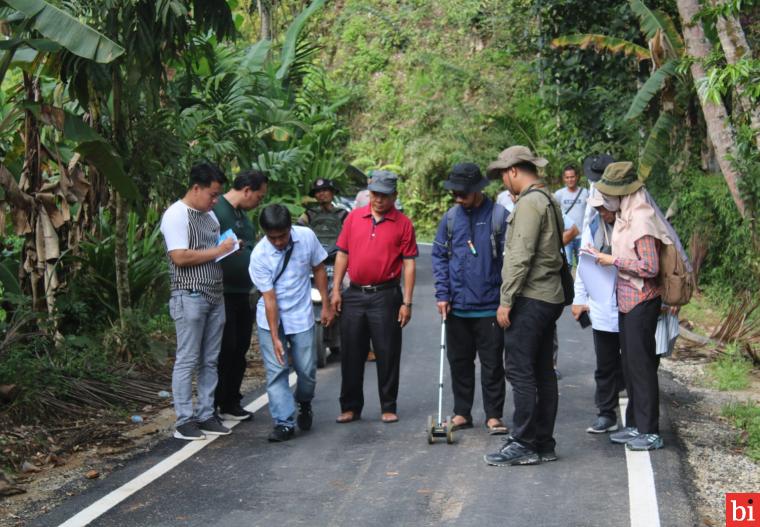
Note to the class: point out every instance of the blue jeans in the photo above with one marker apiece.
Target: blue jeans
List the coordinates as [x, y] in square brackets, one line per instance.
[571, 251]
[299, 347]
[199, 326]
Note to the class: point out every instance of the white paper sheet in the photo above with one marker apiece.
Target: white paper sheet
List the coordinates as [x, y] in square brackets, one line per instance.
[599, 279]
[228, 234]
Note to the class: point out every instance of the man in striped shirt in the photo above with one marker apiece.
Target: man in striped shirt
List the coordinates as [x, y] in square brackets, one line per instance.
[191, 233]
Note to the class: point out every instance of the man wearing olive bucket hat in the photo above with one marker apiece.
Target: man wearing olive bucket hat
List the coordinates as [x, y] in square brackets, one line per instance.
[639, 232]
[532, 298]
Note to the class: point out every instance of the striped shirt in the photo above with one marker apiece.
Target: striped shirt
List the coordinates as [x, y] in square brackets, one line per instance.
[187, 228]
[647, 266]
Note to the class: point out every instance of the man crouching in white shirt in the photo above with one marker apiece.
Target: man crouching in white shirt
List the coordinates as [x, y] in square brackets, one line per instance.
[281, 266]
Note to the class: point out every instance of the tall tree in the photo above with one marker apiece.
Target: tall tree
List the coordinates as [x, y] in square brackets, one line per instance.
[719, 127]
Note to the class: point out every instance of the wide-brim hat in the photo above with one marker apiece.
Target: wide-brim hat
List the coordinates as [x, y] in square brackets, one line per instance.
[465, 177]
[323, 184]
[512, 156]
[382, 181]
[593, 166]
[619, 179]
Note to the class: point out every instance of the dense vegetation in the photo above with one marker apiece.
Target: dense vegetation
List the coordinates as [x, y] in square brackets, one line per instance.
[102, 117]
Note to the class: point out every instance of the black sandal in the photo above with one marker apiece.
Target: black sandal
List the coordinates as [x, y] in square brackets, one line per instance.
[462, 426]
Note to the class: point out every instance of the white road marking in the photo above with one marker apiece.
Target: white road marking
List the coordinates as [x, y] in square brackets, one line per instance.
[642, 495]
[115, 497]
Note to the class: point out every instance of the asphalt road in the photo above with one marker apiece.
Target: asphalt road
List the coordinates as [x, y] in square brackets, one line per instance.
[368, 473]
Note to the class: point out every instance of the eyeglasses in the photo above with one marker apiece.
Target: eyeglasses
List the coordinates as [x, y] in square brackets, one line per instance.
[459, 194]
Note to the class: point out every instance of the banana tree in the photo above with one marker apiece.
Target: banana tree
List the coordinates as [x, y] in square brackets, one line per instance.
[46, 188]
[665, 48]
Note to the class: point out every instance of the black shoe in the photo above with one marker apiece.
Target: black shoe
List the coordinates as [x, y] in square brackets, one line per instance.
[512, 453]
[305, 416]
[602, 425]
[236, 413]
[281, 433]
[189, 432]
[213, 426]
[547, 455]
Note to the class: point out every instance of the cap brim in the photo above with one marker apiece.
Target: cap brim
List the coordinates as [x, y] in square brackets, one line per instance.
[595, 201]
[380, 189]
[492, 171]
[540, 162]
[457, 187]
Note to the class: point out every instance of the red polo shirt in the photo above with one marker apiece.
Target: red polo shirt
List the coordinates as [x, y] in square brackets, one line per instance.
[375, 249]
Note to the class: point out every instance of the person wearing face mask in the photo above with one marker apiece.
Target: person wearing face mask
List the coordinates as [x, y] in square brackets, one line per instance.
[467, 259]
[608, 375]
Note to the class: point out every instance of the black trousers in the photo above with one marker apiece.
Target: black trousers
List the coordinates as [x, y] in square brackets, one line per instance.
[608, 374]
[640, 363]
[466, 339]
[365, 317]
[236, 339]
[530, 369]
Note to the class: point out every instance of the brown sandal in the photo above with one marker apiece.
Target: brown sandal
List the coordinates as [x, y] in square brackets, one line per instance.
[348, 417]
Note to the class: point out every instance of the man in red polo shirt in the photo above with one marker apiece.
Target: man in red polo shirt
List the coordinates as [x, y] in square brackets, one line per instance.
[377, 244]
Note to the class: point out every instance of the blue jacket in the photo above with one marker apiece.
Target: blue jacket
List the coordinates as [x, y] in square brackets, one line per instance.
[468, 282]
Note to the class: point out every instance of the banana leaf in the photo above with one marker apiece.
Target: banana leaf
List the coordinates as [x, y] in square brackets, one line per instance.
[62, 28]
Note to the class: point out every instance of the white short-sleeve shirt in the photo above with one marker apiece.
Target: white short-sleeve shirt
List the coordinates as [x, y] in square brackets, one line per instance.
[293, 289]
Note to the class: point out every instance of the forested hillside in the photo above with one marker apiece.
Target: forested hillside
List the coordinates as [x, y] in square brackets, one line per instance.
[105, 105]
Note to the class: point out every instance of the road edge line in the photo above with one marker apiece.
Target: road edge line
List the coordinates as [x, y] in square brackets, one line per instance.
[113, 498]
[643, 508]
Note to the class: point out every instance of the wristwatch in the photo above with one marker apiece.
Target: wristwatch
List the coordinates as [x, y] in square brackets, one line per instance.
[407, 304]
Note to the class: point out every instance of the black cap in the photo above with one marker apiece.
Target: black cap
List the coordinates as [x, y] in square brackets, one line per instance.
[465, 177]
[593, 166]
[323, 184]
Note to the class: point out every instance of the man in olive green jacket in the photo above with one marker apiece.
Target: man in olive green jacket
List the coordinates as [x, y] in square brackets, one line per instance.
[531, 302]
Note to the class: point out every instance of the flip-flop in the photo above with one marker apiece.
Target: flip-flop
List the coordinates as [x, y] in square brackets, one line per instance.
[389, 417]
[497, 430]
[344, 418]
[463, 426]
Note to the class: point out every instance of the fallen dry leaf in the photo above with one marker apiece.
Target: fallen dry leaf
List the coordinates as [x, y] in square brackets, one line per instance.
[28, 468]
[92, 474]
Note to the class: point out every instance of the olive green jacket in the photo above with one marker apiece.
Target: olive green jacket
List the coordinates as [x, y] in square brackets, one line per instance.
[532, 259]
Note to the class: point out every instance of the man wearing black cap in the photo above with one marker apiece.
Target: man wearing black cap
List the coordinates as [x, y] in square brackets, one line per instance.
[467, 260]
[325, 219]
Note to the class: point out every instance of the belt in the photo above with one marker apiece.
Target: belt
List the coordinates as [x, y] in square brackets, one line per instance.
[377, 287]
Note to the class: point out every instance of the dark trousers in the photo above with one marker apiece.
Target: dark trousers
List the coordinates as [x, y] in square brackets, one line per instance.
[236, 339]
[640, 363]
[608, 374]
[365, 317]
[467, 338]
[529, 348]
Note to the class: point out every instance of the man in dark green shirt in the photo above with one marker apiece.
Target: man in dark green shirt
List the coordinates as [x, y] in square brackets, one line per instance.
[248, 190]
[531, 301]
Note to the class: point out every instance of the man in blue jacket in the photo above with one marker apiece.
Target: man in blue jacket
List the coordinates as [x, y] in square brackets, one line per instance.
[467, 260]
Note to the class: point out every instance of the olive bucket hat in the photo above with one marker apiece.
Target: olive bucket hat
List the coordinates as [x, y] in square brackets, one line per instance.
[619, 179]
[512, 156]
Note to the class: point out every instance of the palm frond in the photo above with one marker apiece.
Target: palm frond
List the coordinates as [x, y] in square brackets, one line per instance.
[602, 43]
[657, 145]
[650, 88]
[652, 20]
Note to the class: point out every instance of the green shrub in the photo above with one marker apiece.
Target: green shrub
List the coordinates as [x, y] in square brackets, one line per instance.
[731, 371]
[746, 417]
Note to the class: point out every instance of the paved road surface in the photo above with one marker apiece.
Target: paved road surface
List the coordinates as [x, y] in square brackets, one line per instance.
[372, 474]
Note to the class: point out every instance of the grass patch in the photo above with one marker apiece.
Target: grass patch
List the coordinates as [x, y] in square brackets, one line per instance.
[731, 371]
[746, 417]
[703, 313]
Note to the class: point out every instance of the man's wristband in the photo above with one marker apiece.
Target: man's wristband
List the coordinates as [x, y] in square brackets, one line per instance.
[407, 304]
